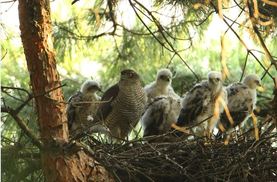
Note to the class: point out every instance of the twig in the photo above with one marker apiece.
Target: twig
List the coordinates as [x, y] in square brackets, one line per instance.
[244, 66]
[242, 42]
[4, 55]
[23, 126]
[255, 28]
[160, 29]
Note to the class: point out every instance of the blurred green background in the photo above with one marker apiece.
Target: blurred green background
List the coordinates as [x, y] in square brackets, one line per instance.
[200, 38]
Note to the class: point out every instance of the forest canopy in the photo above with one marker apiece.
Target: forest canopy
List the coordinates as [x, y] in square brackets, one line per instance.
[96, 39]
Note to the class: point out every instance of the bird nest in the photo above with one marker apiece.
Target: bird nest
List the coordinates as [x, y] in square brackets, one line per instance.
[189, 158]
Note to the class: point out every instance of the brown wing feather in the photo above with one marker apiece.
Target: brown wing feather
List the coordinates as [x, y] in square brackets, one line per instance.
[106, 107]
[71, 108]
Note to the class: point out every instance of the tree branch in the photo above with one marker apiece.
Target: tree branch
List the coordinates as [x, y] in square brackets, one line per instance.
[255, 28]
[23, 126]
[242, 42]
[161, 31]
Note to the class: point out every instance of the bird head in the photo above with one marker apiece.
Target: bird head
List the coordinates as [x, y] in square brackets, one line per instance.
[252, 81]
[164, 76]
[215, 79]
[129, 75]
[90, 86]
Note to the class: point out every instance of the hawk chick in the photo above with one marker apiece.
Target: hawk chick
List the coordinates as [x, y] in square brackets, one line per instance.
[241, 101]
[123, 104]
[80, 107]
[162, 86]
[204, 102]
[159, 115]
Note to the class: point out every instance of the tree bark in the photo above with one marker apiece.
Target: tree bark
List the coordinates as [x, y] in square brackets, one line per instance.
[36, 29]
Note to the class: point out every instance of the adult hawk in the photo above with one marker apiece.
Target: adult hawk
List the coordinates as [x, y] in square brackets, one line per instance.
[123, 104]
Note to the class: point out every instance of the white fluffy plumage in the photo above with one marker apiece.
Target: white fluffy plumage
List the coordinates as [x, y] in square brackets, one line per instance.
[161, 86]
[242, 99]
[204, 101]
[159, 115]
[90, 87]
[81, 109]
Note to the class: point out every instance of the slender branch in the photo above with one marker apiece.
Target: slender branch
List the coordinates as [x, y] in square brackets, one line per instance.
[23, 126]
[161, 31]
[15, 88]
[255, 28]
[244, 66]
[4, 55]
[242, 42]
[112, 16]
[84, 37]
[30, 96]
[233, 21]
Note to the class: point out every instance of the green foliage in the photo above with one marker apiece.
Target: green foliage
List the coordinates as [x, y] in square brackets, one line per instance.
[77, 39]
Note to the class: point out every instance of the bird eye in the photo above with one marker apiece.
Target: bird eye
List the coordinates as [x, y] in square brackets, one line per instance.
[257, 82]
[217, 79]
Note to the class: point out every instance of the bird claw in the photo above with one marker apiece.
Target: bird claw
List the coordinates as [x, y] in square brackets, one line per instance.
[181, 129]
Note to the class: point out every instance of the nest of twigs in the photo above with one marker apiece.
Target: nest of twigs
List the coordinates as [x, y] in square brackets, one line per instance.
[188, 158]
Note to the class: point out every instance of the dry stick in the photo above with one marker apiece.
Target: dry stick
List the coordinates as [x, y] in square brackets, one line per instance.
[261, 52]
[233, 21]
[161, 29]
[30, 97]
[166, 157]
[111, 13]
[13, 97]
[170, 48]
[242, 42]
[84, 37]
[244, 66]
[4, 55]
[20, 122]
[134, 8]
[238, 5]
[170, 61]
[135, 33]
[23, 126]
[205, 19]
[255, 28]
[91, 102]
[15, 88]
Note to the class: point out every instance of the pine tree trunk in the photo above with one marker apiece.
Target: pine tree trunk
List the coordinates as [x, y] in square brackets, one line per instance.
[36, 29]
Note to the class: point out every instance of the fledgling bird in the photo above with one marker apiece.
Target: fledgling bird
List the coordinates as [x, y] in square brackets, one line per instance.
[161, 86]
[204, 101]
[159, 115]
[123, 104]
[242, 99]
[80, 108]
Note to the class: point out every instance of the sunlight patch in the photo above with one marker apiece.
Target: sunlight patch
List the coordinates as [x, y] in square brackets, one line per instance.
[90, 69]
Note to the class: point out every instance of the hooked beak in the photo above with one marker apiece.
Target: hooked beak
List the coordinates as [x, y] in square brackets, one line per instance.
[260, 88]
[165, 78]
[99, 89]
[215, 80]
